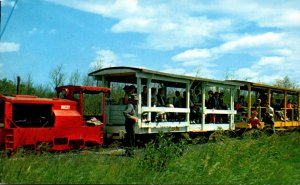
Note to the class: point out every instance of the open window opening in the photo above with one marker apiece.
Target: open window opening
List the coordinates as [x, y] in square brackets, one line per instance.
[32, 115]
[2, 113]
[93, 108]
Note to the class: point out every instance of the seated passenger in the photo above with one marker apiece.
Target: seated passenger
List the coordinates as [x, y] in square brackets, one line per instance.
[289, 109]
[144, 96]
[161, 102]
[257, 104]
[278, 111]
[129, 90]
[153, 97]
[211, 105]
[254, 121]
[178, 100]
[223, 106]
[240, 106]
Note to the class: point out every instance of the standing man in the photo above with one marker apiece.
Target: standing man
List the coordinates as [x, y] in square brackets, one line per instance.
[269, 116]
[130, 121]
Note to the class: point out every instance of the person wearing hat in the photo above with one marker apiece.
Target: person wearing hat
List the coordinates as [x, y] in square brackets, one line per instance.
[129, 90]
[130, 121]
[254, 121]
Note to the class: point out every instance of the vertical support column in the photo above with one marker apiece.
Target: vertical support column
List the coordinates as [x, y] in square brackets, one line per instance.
[203, 105]
[231, 124]
[298, 108]
[285, 101]
[139, 94]
[249, 100]
[187, 89]
[105, 83]
[269, 97]
[149, 97]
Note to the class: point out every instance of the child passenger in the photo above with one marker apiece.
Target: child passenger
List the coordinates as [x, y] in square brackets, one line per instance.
[254, 121]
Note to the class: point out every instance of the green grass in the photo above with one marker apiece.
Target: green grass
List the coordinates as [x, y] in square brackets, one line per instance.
[265, 160]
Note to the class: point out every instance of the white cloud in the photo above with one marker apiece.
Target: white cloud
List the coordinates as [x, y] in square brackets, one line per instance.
[52, 32]
[8, 3]
[168, 25]
[270, 61]
[246, 73]
[172, 70]
[9, 47]
[179, 24]
[266, 32]
[134, 25]
[32, 31]
[35, 31]
[287, 18]
[250, 41]
[267, 69]
[281, 14]
[115, 9]
[244, 42]
[185, 32]
[192, 54]
[104, 58]
[277, 56]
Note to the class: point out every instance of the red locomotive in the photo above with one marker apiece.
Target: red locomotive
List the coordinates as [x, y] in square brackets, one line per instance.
[58, 123]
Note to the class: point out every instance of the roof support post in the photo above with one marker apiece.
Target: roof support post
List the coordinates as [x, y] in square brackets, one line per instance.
[187, 89]
[149, 97]
[269, 96]
[203, 105]
[231, 124]
[139, 94]
[285, 101]
[298, 107]
[249, 100]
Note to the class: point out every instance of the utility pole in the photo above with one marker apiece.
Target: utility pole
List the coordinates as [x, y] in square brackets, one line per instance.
[0, 15]
[18, 84]
[9, 16]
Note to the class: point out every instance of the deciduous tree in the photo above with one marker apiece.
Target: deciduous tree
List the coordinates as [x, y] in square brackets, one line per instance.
[286, 82]
[57, 76]
[74, 78]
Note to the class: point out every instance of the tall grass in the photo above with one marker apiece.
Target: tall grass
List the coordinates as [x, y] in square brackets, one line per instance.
[260, 160]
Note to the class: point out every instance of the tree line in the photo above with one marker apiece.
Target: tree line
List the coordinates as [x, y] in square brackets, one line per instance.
[58, 77]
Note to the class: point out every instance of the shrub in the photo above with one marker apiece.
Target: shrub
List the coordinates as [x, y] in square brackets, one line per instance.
[159, 152]
[218, 135]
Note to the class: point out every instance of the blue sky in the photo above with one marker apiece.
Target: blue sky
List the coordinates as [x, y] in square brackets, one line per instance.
[253, 40]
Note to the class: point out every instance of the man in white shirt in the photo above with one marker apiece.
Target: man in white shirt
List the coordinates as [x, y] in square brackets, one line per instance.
[269, 116]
